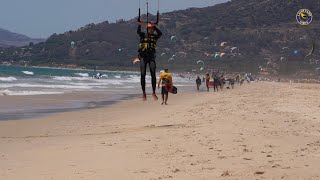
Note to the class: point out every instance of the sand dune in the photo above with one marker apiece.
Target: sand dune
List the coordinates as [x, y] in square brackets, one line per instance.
[257, 131]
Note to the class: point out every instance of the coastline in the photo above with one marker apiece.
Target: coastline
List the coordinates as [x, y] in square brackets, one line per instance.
[262, 130]
[103, 70]
[40, 106]
[77, 69]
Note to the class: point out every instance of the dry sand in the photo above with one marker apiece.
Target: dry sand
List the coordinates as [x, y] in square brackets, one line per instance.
[257, 131]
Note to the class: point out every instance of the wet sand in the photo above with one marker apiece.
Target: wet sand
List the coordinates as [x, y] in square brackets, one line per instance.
[36, 106]
[257, 131]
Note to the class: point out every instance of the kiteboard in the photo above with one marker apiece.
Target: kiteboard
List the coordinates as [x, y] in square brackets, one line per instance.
[172, 89]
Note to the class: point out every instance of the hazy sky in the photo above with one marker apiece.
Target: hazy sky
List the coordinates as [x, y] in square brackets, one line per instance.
[41, 18]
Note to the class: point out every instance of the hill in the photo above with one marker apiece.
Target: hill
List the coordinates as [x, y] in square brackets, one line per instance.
[264, 32]
[8, 39]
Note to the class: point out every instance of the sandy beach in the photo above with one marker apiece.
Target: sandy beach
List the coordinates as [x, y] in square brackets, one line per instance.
[261, 130]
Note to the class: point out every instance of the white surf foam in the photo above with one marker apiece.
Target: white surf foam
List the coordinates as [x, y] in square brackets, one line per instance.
[66, 78]
[101, 83]
[28, 72]
[8, 79]
[82, 74]
[57, 86]
[26, 93]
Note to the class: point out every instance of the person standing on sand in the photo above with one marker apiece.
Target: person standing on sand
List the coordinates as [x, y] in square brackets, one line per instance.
[147, 55]
[222, 82]
[238, 78]
[213, 74]
[216, 83]
[231, 82]
[198, 82]
[207, 81]
[241, 81]
[167, 83]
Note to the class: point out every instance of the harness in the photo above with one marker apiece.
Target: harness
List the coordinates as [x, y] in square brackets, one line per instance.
[166, 82]
[148, 45]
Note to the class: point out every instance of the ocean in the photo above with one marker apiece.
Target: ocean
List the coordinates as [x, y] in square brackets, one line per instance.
[38, 81]
[26, 92]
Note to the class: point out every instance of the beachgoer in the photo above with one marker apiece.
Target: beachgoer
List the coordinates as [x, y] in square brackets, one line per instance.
[222, 82]
[231, 82]
[198, 82]
[207, 81]
[238, 78]
[216, 83]
[167, 84]
[147, 55]
[241, 81]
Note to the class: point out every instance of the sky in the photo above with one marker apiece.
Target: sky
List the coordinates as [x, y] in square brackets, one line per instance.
[41, 18]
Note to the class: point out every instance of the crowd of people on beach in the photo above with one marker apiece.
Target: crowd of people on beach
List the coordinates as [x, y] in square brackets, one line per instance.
[219, 81]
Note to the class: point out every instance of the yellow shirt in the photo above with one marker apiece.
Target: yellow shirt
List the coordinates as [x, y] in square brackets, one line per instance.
[208, 78]
[165, 76]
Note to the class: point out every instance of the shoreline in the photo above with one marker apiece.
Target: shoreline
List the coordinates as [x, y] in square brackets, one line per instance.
[103, 70]
[76, 69]
[49, 105]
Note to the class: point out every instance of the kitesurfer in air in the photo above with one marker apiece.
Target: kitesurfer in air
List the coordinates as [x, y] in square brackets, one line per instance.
[147, 55]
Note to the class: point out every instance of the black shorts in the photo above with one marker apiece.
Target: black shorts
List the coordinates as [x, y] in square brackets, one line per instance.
[164, 90]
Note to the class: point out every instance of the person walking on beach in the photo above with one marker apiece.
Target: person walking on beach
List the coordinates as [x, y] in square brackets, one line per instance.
[231, 82]
[147, 55]
[207, 81]
[241, 81]
[222, 82]
[238, 78]
[216, 83]
[198, 82]
[167, 84]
